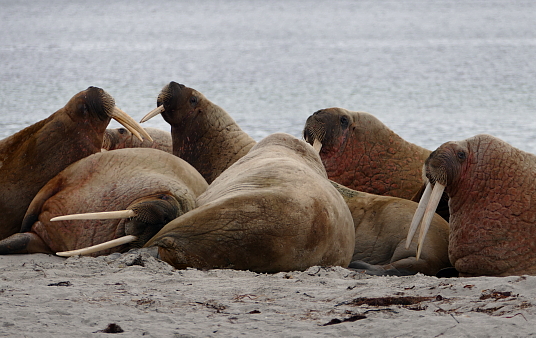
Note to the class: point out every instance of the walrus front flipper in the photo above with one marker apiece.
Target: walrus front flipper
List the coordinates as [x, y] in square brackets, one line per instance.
[449, 272]
[34, 209]
[23, 243]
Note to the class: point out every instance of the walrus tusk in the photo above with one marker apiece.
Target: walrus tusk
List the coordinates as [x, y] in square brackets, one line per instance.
[97, 215]
[317, 145]
[158, 110]
[435, 197]
[129, 123]
[99, 247]
[419, 212]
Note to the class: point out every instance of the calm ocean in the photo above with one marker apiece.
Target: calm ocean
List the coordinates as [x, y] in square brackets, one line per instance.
[433, 71]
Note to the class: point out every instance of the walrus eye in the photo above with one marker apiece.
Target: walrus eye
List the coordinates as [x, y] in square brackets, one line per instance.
[461, 155]
[344, 122]
[193, 100]
[122, 131]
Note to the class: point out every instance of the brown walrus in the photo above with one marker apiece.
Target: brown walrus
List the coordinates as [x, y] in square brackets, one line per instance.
[119, 138]
[491, 187]
[150, 186]
[203, 134]
[363, 154]
[272, 210]
[381, 224]
[34, 155]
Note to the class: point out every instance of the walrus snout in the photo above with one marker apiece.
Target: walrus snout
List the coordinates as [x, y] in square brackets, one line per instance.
[99, 102]
[171, 96]
[167, 101]
[444, 164]
[314, 130]
[308, 136]
[434, 168]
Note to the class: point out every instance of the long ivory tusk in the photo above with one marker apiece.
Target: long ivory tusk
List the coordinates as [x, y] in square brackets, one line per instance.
[97, 215]
[158, 110]
[99, 247]
[435, 197]
[129, 123]
[417, 216]
[317, 145]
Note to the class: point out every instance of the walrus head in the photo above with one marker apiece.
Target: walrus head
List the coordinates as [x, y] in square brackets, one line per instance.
[444, 165]
[95, 104]
[327, 128]
[175, 97]
[144, 219]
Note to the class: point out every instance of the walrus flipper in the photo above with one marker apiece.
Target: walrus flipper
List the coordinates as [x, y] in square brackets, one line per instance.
[23, 243]
[34, 209]
[379, 270]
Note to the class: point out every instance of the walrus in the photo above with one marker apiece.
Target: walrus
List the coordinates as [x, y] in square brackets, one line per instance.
[363, 154]
[203, 134]
[381, 225]
[491, 191]
[34, 155]
[272, 210]
[148, 187]
[119, 138]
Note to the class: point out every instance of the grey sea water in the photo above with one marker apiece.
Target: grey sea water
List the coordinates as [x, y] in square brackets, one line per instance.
[433, 71]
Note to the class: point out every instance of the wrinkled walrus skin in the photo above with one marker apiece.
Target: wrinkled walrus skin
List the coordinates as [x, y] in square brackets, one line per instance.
[120, 138]
[157, 185]
[34, 155]
[381, 225]
[203, 133]
[363, 154]
[273, 210]
[492, 190]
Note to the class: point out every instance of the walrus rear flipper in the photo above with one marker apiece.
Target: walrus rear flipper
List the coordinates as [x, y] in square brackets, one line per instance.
[379, 270]
[23, 243]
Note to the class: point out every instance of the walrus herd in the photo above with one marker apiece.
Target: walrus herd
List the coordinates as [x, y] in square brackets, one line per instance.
[209, 196]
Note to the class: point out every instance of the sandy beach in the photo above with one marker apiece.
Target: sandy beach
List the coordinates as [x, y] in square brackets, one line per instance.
[48, 296]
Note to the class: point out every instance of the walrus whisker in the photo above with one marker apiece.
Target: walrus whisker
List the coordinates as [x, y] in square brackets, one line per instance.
[433, 202]
[158, 110]
[99, 247]
[97, 215]
[129, 123]
[419, 212]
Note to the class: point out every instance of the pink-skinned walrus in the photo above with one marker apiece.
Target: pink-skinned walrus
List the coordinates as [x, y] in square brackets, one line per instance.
[363, 154]
[492, 188]
[34, 155]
